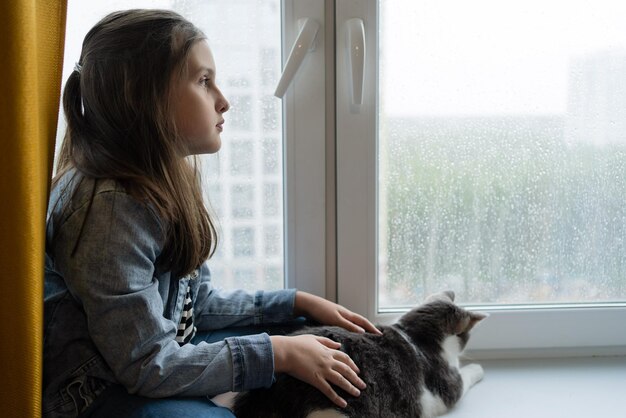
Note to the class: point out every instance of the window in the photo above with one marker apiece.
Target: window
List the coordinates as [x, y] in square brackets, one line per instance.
[272, 242]
[242, 201]
[496, 178]
[241, 111]
[270, 120]
[273, 276]
[243, 242]
[242, 158]
[268, 69]
[213, 193]
[488, 156]
[271, 152]
[245, 277]
[270, 194]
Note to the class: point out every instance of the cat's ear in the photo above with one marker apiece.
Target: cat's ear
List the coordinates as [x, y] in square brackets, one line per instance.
[476, 317]
[469, 321]
[447, 295]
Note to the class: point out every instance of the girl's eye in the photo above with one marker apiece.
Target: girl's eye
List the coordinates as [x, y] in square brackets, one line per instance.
[205, 81]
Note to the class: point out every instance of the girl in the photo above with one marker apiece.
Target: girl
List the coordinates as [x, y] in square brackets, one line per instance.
[128, 294]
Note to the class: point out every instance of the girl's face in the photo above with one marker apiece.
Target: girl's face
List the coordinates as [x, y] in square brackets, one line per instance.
[198, 104]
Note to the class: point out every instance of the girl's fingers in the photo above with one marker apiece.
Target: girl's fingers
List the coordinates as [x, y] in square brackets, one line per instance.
[359, 321]
[345, 359]
[334, 368]
[351, 376]
[351, 326]
[340, 381]
[328, 342]
[327, 390]
[338, 355]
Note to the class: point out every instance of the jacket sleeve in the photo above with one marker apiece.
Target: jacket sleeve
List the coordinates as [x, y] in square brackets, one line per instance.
[112, 275]
[215, 308]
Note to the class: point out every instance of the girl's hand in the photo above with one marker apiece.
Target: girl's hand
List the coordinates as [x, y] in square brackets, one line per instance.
[318, 362]
[329, 313]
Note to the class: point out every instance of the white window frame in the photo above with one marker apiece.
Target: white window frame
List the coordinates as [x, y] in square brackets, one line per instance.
[304, 127]
[510, 331]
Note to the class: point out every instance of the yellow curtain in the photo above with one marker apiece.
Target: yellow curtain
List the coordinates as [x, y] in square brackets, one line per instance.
[32, 34]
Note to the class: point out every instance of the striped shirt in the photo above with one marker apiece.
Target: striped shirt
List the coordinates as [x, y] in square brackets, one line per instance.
[186, 329]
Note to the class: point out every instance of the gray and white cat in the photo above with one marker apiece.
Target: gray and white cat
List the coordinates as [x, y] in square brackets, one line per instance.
[412, 370]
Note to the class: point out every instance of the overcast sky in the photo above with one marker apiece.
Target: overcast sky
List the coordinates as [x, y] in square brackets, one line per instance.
[490, 56]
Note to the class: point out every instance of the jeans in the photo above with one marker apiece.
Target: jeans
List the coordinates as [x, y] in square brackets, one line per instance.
[116, 402]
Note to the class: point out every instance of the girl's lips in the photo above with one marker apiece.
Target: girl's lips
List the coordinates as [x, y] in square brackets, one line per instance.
[220, 126]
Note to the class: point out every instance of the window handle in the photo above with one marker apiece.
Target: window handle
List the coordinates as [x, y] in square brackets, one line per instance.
[356, 57]
[304, 43]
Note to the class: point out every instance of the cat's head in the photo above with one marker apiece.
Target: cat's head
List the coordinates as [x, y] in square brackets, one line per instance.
[439, 318]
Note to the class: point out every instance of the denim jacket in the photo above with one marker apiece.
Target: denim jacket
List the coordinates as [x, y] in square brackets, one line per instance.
[111, 315]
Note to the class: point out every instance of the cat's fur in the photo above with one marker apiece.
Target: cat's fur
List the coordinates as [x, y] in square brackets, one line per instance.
[412, 370]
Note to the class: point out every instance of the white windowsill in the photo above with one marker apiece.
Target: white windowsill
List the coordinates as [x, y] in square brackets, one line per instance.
[550, 388]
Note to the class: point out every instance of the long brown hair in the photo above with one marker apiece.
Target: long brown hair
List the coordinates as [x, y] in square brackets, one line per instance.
[120, 124]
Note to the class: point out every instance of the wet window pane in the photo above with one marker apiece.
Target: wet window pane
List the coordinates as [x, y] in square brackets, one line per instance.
[273, 276]
[502, 138]
[271, 200]
[271, 154]
[242, 205]
[268, 68]
[273, 242]
[246, 277]
[270, 113]
[243, 242]
[240, 113]
[242, 158]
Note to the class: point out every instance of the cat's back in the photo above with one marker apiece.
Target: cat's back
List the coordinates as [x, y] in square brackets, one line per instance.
[388, 364]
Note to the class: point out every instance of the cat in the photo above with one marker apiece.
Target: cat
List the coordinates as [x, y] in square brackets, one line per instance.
[412, 370]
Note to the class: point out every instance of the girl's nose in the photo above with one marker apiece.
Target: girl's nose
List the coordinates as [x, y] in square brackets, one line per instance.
[222, 104]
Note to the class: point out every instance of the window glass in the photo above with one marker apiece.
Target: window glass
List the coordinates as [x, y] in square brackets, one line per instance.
[273, 275]
[246, 277]
[243, 242]
[271, 154]
[242, 158]
[240, 116]
[242, 201]
[272, 241]
[271, 207]
[268, 70]
[213, 193]
[502, 165]
[270, 119]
